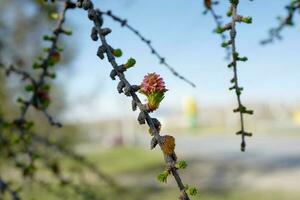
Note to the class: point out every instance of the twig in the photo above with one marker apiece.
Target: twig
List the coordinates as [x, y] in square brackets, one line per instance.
[275, 33]
[217, 18]
[82, 160]
[25, 75]
[51, 120]
[161, 59]
[128, 89]
[39, 98]
[231, 27]
[39, 87]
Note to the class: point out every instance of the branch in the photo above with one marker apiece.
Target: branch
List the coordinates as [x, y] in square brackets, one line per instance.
[217, 18]
[40, 93]
[161, 59]
[130, 90]
[288, 21]
[25, 75]
[80, 159]
[231, 27]
[40, 97]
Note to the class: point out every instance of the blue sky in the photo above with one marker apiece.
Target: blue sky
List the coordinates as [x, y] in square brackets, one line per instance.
[181, 33]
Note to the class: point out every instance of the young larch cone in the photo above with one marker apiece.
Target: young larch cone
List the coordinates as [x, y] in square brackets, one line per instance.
[153, 86]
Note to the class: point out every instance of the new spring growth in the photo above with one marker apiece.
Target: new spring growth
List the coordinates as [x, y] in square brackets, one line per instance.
[191, 190]
[181, 164]
[163, 177]
[117, 53]
[54, 16]
[153, 87]
[130, 63]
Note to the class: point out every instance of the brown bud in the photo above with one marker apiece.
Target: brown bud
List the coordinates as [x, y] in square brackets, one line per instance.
[41, 99]
[207, 4]
[55, 57]
[168, 145]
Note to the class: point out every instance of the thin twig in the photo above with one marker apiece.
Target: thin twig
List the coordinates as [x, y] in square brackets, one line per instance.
[231, 27]
[162, 60]
[217, 18]
[39, 97]
[39, 83]
[241, 109]
[275, 33]
[82, 160]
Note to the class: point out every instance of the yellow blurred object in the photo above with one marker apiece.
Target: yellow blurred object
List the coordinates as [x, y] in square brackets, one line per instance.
[191, 111]
[296, 117]
[190, 106]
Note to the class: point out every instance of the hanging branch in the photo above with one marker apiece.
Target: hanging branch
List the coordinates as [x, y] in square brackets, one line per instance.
[208, 4]
[161, 59]
[39, 88]
[288, 21]
[152, 83]
[74, 156]
[231, 27]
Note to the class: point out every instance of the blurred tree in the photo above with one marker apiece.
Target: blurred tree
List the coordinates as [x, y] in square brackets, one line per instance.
[20, 44]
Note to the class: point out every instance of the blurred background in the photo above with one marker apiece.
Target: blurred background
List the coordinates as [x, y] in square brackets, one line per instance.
[114, 160]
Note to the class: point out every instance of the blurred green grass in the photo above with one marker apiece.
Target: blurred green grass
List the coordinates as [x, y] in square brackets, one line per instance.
[121, 160]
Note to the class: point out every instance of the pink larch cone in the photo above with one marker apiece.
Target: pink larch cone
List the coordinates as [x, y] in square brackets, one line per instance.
[154, 88]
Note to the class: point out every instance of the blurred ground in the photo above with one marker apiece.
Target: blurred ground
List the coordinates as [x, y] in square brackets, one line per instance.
[269, 169]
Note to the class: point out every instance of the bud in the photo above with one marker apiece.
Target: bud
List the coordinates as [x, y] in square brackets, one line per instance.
[243, 59]
[247, 20]
[117, 53]
[54, 16]
[29, 88]
[162, 177]
[55, 57]
[36, 66]
[181, 164]
[207, 4]
[168, 145]
[42, 99]
[130, 63]
[219, 30]
[192, 191]
[68, 32]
